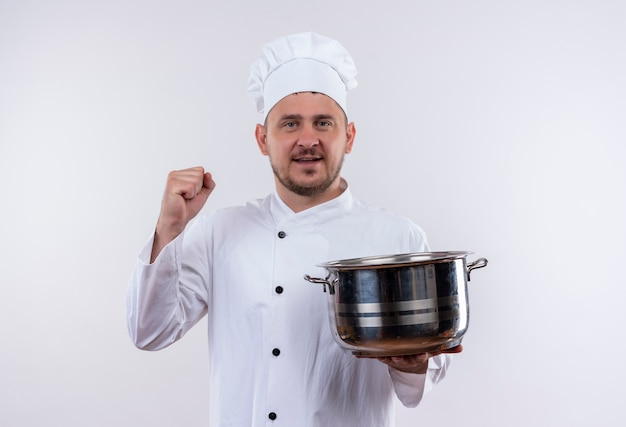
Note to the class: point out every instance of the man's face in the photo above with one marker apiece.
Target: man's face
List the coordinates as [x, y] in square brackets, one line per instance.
[306, 138]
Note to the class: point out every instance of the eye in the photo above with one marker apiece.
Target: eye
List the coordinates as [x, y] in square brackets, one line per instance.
[289, 125]
[324, 123]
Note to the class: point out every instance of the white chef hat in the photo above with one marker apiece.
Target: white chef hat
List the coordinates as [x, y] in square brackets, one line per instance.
[304, 62]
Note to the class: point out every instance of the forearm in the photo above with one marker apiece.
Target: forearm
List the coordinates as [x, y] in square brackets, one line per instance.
[159, 310]
[160, 240]
[412, 387]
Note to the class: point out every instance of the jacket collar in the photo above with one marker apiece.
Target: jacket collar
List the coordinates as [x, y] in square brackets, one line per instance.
[280, 212]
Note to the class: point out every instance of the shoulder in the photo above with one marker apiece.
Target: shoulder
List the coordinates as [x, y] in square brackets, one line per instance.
[254, 210]
[374, 212]
[382, 222]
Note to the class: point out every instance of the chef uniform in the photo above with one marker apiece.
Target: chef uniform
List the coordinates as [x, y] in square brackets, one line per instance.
[273, 361]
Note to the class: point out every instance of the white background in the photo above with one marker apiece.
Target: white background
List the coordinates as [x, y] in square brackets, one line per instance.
[498, 126]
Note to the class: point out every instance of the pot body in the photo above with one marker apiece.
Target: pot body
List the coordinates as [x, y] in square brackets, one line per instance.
[408, 304]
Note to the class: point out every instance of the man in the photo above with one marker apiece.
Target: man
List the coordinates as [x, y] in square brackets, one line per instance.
[272, 357]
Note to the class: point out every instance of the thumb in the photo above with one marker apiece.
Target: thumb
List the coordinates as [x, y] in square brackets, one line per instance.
[208, 185]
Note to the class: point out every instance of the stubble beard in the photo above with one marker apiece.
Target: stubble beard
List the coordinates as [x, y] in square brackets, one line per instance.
[308, 190]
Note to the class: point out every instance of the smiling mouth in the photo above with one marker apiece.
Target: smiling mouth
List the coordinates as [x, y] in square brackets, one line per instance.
[305, 160]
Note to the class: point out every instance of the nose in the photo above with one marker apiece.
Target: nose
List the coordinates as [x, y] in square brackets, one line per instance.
[308, 137]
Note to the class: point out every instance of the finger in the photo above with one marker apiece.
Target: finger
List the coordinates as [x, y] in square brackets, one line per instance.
[457, 349]
[208, 185]
[418, 358]
[189, 189]
[208, 182]
[187, 182]
[195, 176]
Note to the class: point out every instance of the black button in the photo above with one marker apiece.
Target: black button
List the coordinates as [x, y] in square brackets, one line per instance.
[282, 234]
[272, 416]
[276, 352]
[279, 289]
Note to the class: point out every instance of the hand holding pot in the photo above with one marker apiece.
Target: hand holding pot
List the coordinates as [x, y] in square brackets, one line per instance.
[415, 363]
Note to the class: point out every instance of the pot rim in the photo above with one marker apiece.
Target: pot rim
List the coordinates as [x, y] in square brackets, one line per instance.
[398, 260]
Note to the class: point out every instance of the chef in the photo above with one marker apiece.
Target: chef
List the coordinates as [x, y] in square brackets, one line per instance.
[272, 358]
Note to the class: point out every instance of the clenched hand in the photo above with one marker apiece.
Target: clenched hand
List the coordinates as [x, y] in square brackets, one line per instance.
[186, 192]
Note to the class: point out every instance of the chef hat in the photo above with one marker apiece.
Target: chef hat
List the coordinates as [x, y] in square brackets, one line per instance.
[304, 62]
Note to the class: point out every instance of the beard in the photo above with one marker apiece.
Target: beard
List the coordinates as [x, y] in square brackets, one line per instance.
[308, 190]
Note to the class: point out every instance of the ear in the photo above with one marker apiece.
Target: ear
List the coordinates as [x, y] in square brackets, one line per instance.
[350, 135]
[261, 138]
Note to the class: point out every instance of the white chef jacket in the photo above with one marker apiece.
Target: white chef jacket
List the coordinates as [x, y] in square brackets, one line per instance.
[273, 361]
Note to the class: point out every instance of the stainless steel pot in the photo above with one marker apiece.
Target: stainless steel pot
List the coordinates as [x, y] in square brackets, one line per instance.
[398, 304]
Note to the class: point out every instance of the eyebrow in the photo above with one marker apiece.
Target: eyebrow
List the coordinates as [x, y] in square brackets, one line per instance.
[316, 117]
[290, 117]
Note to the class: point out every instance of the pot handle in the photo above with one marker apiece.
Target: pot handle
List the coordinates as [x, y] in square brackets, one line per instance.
[479, 263]
[331, 286]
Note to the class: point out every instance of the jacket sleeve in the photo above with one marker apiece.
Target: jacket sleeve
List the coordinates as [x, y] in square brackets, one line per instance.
[166, 298]
[412, 388]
